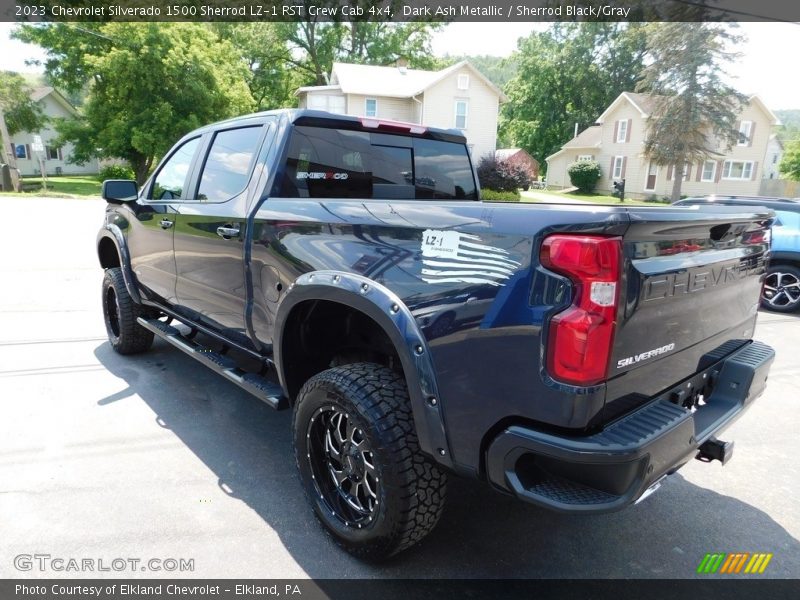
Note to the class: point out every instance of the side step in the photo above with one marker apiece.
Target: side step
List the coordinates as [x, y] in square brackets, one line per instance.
[262, 388]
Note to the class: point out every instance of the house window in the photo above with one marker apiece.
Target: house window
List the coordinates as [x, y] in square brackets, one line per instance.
[745, 128]
[51, 153]
[687, 170]
[463, 82]
[709, 171]
[371, 107]
[622, 131]
[584, 157]
[616, 172]
[461, 114]
[329, 102]
[20, 151]
[737, 169]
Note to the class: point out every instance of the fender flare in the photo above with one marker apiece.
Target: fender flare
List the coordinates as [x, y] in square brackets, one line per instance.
[385, 308]
[114, 233]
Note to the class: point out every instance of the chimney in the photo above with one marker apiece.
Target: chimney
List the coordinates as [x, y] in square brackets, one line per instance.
[402, 65]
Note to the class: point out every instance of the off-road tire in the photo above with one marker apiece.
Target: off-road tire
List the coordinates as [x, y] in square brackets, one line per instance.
[411, 489]
[120, 313]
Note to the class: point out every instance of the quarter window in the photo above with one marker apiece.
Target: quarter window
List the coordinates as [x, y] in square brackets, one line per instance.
[228, 164]
[171, 178]
[737, 169]
[461, 114]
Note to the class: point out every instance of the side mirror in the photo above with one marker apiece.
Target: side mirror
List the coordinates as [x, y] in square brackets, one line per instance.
[120, 190]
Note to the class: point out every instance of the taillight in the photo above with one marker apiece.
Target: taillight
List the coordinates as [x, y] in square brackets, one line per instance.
[580, 337]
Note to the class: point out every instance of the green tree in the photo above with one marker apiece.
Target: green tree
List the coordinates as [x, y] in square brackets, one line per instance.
[315, 45]
[568, 74]
[21, 112]
[498, 70]
[263, 48]
[148, 84]
[790, 163]
[695, 112]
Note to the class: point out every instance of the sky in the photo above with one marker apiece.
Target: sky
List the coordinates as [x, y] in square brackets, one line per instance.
[766, 67]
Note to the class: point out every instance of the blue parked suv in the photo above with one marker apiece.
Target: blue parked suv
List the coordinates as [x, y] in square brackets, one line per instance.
[781, 291]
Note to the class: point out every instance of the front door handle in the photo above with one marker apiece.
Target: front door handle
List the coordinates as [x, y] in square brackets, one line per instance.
[227, 232]
[165, 223]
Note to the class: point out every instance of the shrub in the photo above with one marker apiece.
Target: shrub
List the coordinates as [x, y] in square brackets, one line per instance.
[494, 196]
[502, 175]
[115, 172]
[584, 175]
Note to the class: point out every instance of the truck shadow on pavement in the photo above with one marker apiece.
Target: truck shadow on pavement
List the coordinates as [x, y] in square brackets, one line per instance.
[482, 534]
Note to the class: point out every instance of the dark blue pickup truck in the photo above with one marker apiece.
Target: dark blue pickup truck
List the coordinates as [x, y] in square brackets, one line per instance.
[346, 268]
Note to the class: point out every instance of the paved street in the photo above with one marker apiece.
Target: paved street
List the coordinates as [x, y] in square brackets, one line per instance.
[154, 456]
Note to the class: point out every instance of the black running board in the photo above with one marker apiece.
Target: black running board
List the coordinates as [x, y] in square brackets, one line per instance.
[264, 389]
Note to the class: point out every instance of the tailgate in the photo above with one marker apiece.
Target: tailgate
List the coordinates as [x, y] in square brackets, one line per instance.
[691, 286]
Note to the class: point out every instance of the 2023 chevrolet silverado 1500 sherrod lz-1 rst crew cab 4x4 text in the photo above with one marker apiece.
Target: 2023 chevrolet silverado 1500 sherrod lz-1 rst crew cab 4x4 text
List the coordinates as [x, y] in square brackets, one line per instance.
[572, 356]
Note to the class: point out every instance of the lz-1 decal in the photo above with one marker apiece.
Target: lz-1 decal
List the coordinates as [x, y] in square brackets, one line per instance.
[454, 257]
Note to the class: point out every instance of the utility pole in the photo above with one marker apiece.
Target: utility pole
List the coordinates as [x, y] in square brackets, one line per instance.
[10, 157]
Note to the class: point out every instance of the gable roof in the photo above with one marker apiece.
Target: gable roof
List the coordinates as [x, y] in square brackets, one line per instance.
[645, 104]
[588, 138]
[40, 93]
[370, 80]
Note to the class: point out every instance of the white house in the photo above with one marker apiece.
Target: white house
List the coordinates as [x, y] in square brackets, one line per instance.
[54, 105]
[459, 97]
[616, 142]
[773, 157]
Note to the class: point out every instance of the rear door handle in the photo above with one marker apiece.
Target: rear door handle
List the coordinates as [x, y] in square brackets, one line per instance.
[227, 232]
[165, 223]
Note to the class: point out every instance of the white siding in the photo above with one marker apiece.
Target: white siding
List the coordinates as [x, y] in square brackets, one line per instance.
[440, 111]
[393, 109]
[637, 165]
[30, 166]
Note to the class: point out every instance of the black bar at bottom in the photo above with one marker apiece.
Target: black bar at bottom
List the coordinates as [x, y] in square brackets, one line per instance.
[710, 586]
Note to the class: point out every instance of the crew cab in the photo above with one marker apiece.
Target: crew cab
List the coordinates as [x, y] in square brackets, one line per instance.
[571, 356]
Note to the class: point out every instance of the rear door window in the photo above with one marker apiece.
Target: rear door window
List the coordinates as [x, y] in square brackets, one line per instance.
[338, 163]
[228, 163]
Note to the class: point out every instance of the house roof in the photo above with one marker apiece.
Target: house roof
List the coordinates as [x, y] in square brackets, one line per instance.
[395, 82]
[645, 104]
[40, 93]
[588, 138]
[504, 153]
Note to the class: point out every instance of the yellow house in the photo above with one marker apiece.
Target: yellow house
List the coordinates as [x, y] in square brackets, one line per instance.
[458, 97]
[616, 142]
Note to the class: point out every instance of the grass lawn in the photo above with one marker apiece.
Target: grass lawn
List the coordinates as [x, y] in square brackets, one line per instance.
[65, 185]
[595, 198]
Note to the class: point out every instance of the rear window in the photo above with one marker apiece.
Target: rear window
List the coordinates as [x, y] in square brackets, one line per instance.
[338, 163]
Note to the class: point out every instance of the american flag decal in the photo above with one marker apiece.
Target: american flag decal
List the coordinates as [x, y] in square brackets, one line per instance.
[454, 257]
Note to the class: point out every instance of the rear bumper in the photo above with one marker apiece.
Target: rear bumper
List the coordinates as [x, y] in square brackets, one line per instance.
[613, 468]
